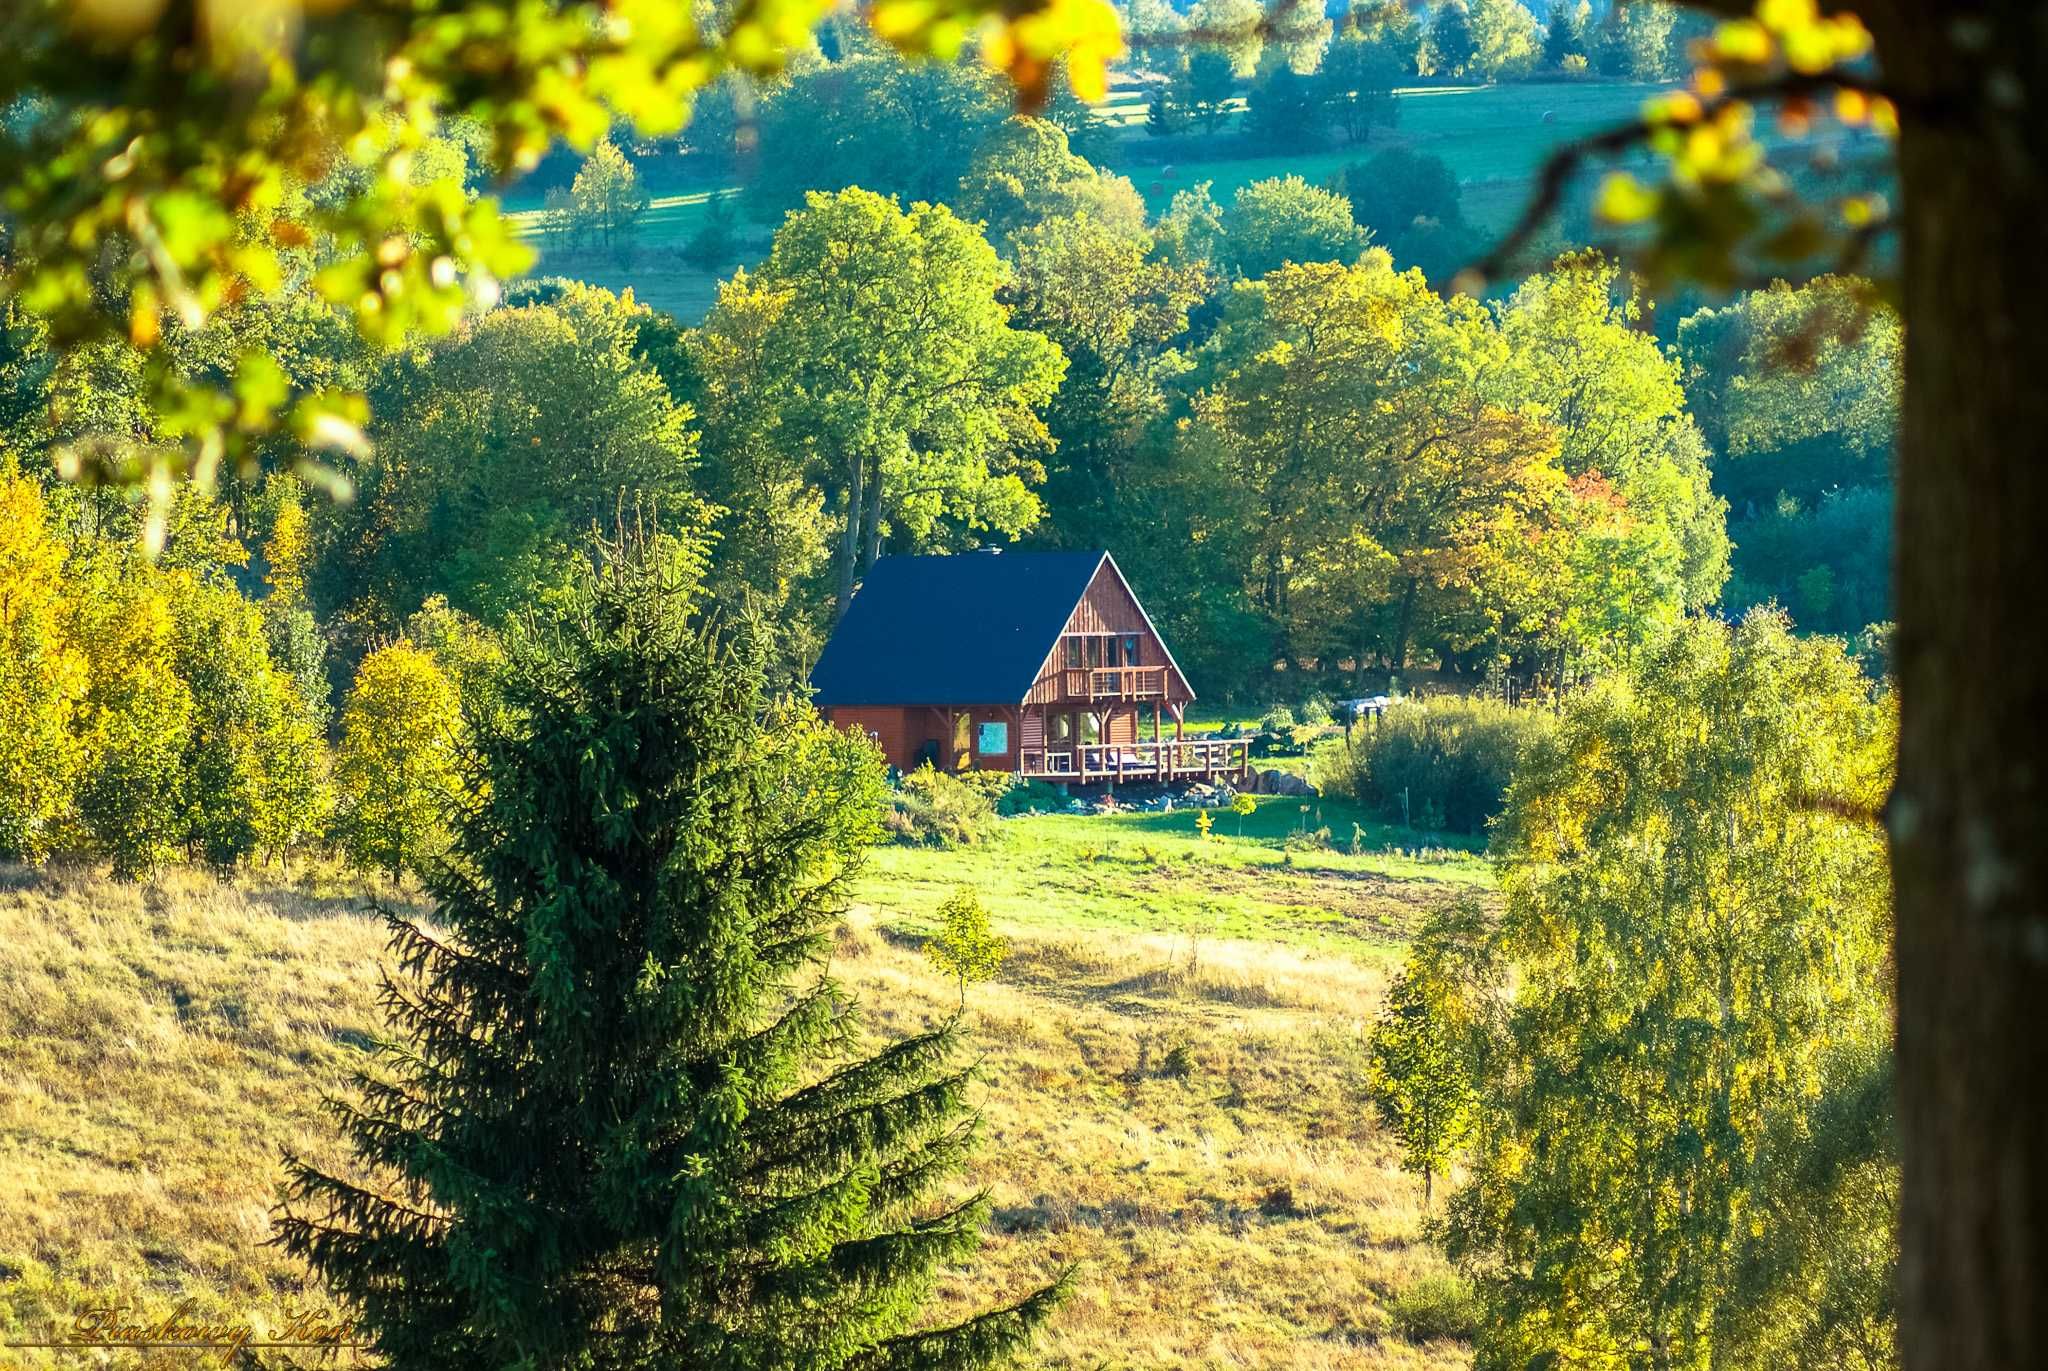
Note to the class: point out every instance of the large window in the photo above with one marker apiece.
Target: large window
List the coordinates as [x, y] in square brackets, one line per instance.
[1091, 729]
[1094, 651]
[1059, 730]
[993, 739]
[1074, 653]
[1130, 649]
[963, 733]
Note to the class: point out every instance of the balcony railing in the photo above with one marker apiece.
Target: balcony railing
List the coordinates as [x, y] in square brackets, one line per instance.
[1113, 683]
[1161, 761]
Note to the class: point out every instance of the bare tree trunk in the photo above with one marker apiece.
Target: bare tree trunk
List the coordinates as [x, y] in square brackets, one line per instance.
[1404, 624]
[1969, 816]
[874, 516]
[847, 560]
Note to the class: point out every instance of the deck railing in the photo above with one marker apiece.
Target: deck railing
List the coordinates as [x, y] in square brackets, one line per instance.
[1166, 760]
[1113, 683]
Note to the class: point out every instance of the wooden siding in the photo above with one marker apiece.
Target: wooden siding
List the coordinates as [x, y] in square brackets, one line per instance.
[887, 726]
[902, 733]
[1106, 607]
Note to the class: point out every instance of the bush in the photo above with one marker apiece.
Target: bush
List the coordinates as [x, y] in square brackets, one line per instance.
[933, 809]
[1452, 759]
[1034, 796]
[1315, 712]
[1436, 1307]
[1278, 719]
[990, 785]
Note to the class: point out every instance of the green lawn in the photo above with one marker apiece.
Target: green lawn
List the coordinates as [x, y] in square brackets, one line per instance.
[1155, 873]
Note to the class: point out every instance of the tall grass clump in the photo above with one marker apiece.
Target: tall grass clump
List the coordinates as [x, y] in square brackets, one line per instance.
[930, 808]
[1451, 760]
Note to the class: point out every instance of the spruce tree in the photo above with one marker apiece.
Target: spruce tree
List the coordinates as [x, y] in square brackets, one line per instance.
[626, 1123]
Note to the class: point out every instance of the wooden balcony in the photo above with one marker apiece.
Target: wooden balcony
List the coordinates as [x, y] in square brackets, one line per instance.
[1170, 760]
[1113, 683]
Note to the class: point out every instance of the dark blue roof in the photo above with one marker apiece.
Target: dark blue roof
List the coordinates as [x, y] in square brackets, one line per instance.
[971, 629]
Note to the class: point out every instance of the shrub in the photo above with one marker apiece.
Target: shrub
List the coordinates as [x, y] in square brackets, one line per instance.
[1451, 758]
[933, 809]
[1315, 712]
[1278, 719]
[966, 947]
[1031, 796]
[1436, 1307]
[990, 785]
[1308, 840]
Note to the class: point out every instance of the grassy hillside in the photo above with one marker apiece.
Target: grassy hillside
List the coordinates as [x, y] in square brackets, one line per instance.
[1493, 137]
[1173, 1054]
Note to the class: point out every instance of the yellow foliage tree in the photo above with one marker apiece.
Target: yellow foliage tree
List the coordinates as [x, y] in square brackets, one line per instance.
[42, 676]
[396, 774]
[136, 722]
[290, 546]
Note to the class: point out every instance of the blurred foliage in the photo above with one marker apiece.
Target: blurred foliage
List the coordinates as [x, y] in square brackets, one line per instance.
[1721, 213]
[157, 160]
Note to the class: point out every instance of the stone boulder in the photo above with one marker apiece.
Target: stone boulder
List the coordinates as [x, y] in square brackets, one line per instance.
[1281, 783]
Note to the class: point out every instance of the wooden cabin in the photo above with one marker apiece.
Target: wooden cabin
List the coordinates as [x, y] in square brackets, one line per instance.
[1040, 663]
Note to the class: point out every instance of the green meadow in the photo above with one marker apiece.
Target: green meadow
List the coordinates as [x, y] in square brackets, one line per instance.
[1493, 137]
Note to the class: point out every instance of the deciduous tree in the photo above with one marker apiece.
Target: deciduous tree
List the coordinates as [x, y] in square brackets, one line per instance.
[42, 674]
[890, 372]
[1285, 219]
[1697, 936]
[397, 774]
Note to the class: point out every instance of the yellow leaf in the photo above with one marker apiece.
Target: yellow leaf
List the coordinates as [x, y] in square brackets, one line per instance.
[1625, 200]
[1743, 40]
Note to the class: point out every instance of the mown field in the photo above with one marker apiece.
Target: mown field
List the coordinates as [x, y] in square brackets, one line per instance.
[1493, 137]
[1173, 1054]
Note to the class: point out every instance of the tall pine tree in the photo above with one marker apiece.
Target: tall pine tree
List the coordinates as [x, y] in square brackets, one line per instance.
[628, 1124]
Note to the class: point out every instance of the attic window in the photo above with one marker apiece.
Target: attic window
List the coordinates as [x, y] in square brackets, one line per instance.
[1074, 653]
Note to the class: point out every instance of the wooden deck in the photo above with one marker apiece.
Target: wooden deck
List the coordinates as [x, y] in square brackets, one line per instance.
[1168, 760]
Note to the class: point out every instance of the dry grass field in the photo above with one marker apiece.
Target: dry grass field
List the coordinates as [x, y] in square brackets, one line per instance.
[1176, 1113]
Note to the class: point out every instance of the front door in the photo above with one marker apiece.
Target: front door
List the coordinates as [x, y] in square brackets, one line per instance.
[963, 742]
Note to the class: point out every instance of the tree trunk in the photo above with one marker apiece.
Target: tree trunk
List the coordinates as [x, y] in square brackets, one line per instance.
[848, 557]
[1404, 624]
[1969, 816]
[873, 546]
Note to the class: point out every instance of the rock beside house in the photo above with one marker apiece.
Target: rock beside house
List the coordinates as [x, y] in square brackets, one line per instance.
[1277, 782]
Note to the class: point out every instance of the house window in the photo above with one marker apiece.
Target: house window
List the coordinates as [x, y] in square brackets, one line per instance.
[1060, 730]
[994, 740]
[1095, 652]
[1112, 654]
[1091, 729]
[963, 732]
[1074, 653]
[1130, 649]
